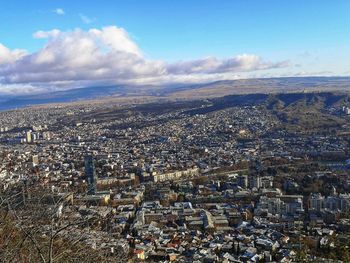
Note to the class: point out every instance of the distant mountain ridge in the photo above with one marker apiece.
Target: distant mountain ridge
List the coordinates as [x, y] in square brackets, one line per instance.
[185, 91]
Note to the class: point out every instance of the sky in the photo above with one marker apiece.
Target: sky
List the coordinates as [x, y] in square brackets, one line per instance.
[59, 44]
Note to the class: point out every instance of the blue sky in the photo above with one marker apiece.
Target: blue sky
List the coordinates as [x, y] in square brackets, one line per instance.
[314, 36]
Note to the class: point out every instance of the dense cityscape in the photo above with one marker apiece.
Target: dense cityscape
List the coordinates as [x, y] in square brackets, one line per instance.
[187, 131]
[175, 182]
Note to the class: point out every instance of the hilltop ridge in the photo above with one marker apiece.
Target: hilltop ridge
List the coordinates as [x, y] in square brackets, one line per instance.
[124, 94]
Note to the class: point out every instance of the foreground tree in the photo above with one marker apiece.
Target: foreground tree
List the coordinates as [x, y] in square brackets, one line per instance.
[33, 228]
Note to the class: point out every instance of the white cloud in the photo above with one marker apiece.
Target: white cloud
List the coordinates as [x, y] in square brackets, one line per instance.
[116, 38]
[46, 34]
[315, 73]
[14, 89]
[59, 11]
[86, 20]
[78, 55]
[210, 65]
[108, 56]
[10, 56]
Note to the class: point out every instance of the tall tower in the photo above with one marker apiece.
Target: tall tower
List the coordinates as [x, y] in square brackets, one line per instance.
[29, 136]
[90, 174]
[35, 160]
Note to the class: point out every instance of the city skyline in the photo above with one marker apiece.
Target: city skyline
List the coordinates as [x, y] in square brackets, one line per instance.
[181, 131]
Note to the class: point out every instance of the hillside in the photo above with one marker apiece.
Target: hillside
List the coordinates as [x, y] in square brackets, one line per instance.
[140, 94]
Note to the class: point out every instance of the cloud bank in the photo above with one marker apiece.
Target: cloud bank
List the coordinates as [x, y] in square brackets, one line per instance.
[108, 56]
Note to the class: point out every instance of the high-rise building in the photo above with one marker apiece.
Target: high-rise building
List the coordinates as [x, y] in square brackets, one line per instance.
[47, 135]
[29, 136]
[255, 181]
[316, 202]
[90, 174]
[35, 160]
[242, 181]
